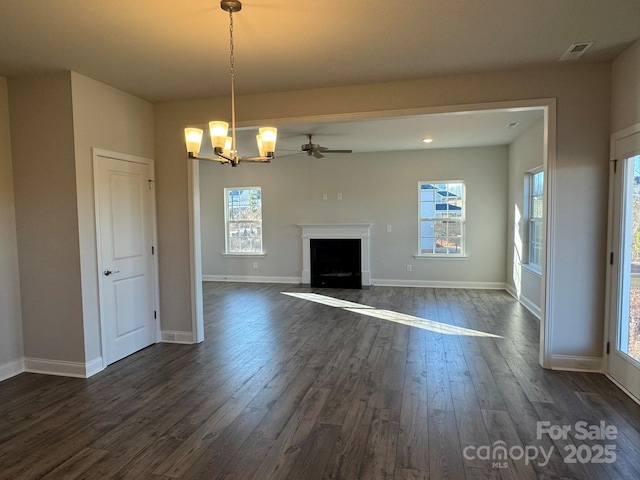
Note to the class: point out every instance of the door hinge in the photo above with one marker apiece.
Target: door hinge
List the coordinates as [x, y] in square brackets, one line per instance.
[608, 347]
[153, 251]
[611, 258]
[615, 165]
[155, 314]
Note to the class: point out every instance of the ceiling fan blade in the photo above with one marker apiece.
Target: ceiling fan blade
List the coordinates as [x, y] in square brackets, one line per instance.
[317, 154]
[326, 150]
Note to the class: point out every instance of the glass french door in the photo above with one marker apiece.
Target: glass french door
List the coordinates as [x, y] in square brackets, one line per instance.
[623, 347]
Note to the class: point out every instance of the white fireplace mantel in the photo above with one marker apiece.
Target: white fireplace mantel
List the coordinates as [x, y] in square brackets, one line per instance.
[336, 231]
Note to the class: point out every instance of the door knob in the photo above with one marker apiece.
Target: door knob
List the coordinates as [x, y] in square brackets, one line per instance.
[109, 272]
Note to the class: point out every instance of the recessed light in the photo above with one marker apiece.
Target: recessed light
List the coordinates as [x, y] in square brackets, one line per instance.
[427, 140]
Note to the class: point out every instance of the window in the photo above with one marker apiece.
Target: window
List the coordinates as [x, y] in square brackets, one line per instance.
[243, 220]
[441, 213]
[536, 215]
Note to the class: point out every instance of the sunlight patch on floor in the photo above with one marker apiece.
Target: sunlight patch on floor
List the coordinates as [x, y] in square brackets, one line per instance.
[332, 302]
[403, 318]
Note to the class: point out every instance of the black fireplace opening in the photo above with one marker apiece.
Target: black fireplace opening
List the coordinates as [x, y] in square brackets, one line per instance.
[335, 263]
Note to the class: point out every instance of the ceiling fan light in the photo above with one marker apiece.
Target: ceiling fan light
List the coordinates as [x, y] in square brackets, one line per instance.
[218, 132]
[193, 139]
[268, 136]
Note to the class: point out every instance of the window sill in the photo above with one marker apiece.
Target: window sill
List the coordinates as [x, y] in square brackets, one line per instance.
[441, 257]
[533, 270]
[243, 255]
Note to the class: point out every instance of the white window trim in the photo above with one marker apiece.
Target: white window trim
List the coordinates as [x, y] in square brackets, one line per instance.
[463, 221]
[226, 252]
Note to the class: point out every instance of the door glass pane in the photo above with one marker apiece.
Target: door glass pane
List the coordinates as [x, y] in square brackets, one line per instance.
[629, 329]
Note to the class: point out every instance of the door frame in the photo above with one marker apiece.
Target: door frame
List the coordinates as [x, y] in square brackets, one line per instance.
[98, 154]
[548, 105]
[614, 244]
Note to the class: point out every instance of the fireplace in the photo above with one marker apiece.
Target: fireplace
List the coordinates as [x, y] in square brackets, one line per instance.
[336, 232]
[335, 263]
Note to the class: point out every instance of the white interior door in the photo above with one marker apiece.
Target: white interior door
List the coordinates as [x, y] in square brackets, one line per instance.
[124, 204]
[623, 343]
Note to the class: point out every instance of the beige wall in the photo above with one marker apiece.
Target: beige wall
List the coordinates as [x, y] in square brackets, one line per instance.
[625, 98]
[583, 94]
[10, 316]
[46, 216]
[109, 119]
[374, 190]
[525, 154]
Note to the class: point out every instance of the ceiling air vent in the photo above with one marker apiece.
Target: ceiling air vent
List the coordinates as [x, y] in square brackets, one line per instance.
[575, 51]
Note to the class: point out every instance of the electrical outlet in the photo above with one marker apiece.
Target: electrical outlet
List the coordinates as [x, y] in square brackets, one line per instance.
[388, 228]
[409, 268]
[339, 196]
[255, 264]
[324, 196]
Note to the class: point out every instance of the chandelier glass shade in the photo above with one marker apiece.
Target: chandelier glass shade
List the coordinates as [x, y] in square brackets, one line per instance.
[224, 145]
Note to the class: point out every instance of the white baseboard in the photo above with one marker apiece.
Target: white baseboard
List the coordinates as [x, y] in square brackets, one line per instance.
[383, 282]
[55, 367]
[380, 282]
[172, 336]
[94, 366]
[51, 367]
[573, 363]
[250, 279]
[619, 385]
[526, 303]
[532, 307]
[11, 369]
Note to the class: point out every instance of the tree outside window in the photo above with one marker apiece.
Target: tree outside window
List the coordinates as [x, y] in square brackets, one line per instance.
[243, 215]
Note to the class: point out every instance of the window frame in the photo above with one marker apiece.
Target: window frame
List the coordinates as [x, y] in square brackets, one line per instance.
[534, 223]
[228, 221]
[460, 220]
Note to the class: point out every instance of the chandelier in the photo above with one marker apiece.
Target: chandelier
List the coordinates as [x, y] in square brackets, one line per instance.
[224, 146]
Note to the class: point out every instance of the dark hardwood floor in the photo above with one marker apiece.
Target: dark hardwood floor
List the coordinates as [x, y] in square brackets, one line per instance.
[288, 387]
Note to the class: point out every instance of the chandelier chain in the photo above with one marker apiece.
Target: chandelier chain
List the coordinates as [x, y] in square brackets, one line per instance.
[233, 94]
[231, 56]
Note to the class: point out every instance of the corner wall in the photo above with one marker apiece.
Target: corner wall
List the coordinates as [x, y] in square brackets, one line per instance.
[11, 349]
[56, 120]
[46, 218]
[625, 98]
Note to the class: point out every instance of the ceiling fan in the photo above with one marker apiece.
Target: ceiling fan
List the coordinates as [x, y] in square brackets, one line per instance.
[316, 150]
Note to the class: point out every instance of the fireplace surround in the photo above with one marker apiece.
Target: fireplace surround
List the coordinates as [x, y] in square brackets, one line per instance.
[337, 231]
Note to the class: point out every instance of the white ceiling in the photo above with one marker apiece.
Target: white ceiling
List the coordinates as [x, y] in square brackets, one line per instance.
[162, 50]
